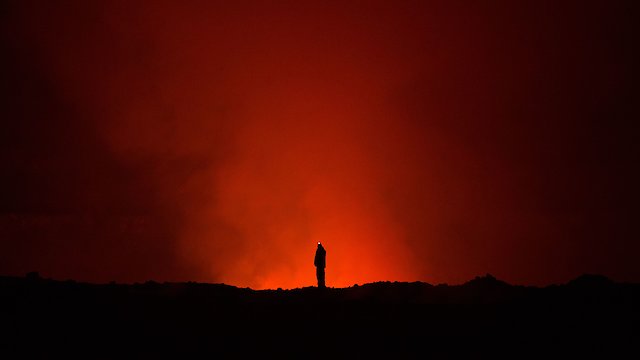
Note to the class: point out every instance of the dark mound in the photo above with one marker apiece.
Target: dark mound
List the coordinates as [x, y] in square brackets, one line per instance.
[590, 316]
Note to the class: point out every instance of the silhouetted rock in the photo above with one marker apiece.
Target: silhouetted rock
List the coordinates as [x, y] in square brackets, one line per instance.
[485, 317]
[486, 282]
[591, 281]
[33, 275]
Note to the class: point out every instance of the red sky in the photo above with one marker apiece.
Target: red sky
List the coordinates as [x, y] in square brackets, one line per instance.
[219, 141]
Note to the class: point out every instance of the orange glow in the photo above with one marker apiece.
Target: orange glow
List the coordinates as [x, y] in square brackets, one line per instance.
[300, 174]
[219, 141]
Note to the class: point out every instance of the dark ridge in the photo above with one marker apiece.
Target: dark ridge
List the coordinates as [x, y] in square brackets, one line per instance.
[591, 281]
[484, 317]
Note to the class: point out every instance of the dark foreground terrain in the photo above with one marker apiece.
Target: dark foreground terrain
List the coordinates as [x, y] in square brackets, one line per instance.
[590, 316]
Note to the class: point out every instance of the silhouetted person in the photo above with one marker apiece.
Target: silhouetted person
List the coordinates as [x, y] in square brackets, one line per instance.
[320, 263]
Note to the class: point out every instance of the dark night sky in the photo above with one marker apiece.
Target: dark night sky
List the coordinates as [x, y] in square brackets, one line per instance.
[219, 141]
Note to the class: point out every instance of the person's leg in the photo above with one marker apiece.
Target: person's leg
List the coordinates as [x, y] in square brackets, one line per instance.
[321, 278]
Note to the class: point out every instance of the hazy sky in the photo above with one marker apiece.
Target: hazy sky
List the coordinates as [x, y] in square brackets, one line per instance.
[219, 141]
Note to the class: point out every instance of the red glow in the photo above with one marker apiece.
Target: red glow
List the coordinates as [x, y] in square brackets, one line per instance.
[219, 141]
